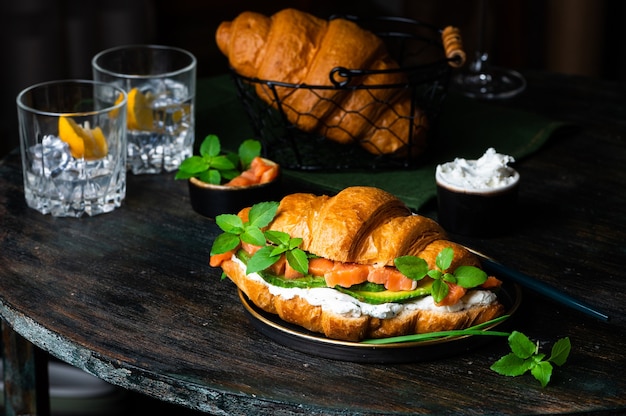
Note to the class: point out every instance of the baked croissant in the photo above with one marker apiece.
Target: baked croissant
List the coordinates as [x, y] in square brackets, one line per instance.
[370, 227]
[298, 48]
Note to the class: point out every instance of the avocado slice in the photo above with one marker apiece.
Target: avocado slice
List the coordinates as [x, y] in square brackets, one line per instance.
[385, 296]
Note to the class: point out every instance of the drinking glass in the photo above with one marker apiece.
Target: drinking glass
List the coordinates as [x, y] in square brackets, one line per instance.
[73, 147]
[481, 79]
[161, 83]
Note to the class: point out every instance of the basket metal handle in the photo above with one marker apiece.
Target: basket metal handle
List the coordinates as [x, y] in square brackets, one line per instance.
[453, 45]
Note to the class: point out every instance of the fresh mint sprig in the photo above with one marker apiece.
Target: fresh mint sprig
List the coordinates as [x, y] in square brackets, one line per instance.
[416, 268]
[237, 231]
[270, 254]
[525, 356]
[214, 167]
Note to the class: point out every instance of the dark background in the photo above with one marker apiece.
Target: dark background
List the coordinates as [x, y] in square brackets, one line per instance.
[55, 39]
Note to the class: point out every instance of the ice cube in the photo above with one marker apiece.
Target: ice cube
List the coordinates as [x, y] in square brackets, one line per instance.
[51, 156]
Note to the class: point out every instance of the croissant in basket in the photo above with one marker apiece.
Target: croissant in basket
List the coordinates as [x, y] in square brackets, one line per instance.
[297, 48]
[353, 290]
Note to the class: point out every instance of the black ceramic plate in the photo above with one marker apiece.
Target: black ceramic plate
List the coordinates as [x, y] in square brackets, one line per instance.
[300, 339]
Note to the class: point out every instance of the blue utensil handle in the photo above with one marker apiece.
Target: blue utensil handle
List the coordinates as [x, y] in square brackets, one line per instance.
[542, 288]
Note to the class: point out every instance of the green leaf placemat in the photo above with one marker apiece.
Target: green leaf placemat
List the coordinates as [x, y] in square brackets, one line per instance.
[466, 127]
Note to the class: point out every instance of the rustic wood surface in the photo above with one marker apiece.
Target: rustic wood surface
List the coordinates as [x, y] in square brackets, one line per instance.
[129, 296]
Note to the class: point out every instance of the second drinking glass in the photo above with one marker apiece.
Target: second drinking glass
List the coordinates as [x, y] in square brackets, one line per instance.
[161, 83]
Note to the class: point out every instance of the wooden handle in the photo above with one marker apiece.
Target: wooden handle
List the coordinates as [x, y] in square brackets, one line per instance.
[453, 46]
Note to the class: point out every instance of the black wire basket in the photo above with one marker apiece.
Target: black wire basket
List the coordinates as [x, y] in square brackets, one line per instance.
[426, 57]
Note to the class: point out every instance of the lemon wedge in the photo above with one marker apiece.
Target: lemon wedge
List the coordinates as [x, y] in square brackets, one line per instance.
[180, 113]
[120, 98]
[97, 147]
[83, 142]
[139, 111]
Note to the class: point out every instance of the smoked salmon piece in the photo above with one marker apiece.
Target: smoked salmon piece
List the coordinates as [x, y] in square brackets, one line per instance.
[249, 248]
[243, 214]
[290, 272]
[391, 278]
[216, 260]
[455, 292]
[346, 274]
[239, 181]
[278, 268]
[260, 171]
[320, 266]
[491, 282]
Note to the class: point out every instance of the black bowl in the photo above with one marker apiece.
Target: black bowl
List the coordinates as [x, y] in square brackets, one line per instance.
[478, 213]
[212, 200]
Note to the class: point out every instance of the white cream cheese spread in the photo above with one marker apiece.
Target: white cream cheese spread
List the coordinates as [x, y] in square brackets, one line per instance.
[488, 173]
[339, 303]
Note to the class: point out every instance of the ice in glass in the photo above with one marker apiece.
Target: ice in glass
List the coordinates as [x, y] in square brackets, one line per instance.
[160, 82]
[73, 147]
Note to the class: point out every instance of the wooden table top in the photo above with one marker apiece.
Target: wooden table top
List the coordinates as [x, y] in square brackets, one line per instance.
[129, 296]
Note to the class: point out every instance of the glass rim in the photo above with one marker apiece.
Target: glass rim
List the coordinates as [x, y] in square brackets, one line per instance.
[25, 91]
[98, 67]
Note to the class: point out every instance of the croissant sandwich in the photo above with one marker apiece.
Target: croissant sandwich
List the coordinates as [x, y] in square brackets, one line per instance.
[374, 269]
[297, 48]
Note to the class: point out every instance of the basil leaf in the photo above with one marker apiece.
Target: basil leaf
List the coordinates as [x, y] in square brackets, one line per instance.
[414, 268]
[450, 278]
[511, 365]
[229, 223]
[210, 146]
[230, 174]
[277, 237]
[294, 243]
[560, 351]
[434, 274]
[439, 290]
[469, 276]
[193, 165]
[211, 176]
[221, 163]
[298, 260]
[444, 258]
[234, 158]
[262, 214]
[278, 250]
[181, 174]
[521, 345]
[224, 243]
[261, 260]
[254, 236]
[542, 372]
[248, 150]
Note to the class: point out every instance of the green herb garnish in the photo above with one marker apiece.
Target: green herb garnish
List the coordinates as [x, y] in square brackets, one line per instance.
[525, 356]
[473, 330]
[236, 231]
[416, 268]
[305, 282]
[270, 254]
[214, 167]
[260, 215]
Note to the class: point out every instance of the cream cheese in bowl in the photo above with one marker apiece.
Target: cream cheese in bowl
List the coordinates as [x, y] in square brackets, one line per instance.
[491, 172]
[479, 196]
